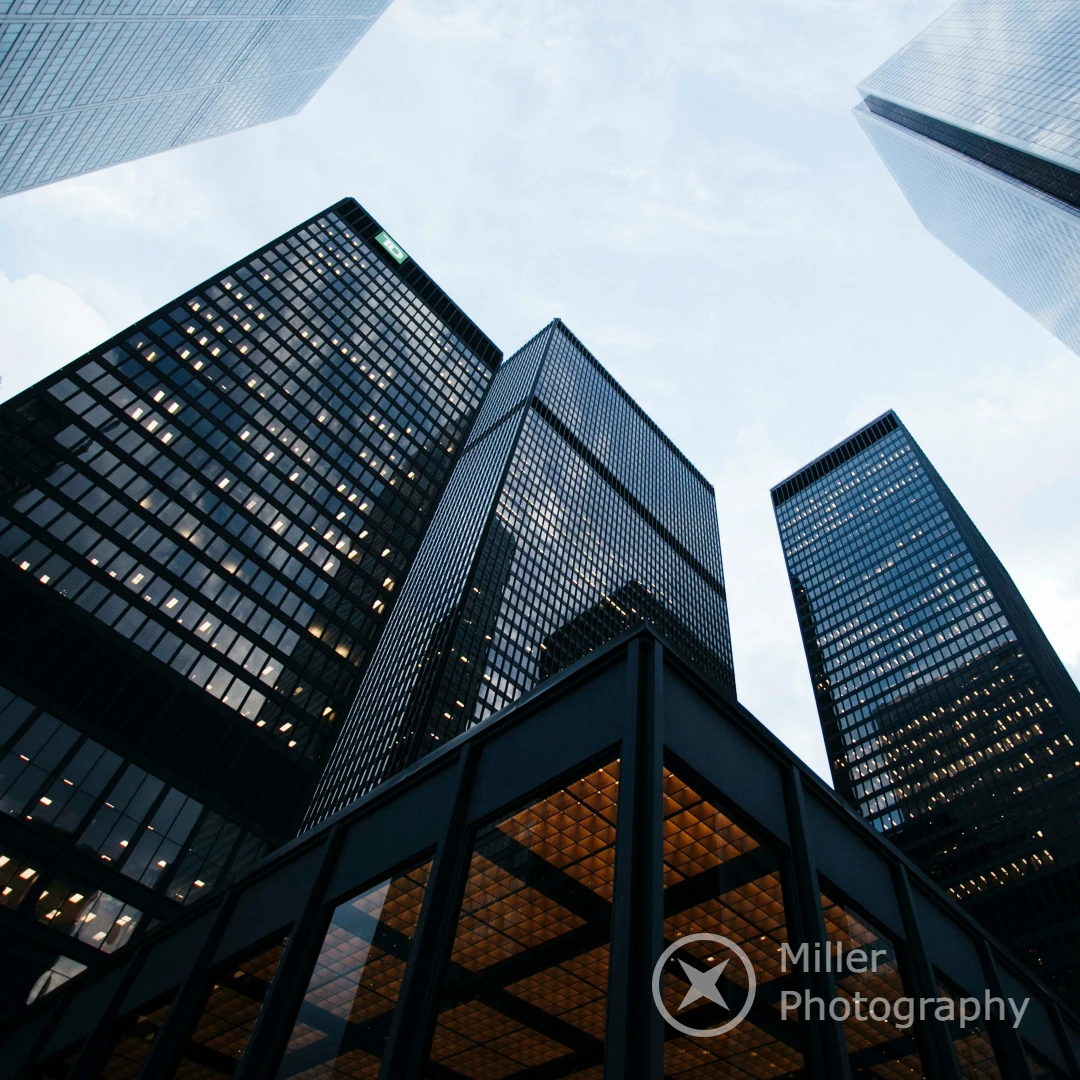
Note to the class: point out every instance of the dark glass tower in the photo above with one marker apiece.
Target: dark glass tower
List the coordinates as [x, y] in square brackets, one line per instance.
[86, 84]
[569, 518]
[949, 720]
[976, 120]
[203, 524]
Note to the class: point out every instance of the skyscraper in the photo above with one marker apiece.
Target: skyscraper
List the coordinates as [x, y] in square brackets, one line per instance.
[569, 517]
[976, 119]
[86, 84]
[203, 526]
[949, 720]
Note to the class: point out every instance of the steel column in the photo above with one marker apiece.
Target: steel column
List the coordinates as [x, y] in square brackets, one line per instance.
[412, 1028]
[634, 1046]
[272, 1027]
[827, 1055]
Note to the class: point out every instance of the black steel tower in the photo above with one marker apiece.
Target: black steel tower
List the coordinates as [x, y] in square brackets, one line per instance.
[949, 720]
[203, 525]
[569, 518]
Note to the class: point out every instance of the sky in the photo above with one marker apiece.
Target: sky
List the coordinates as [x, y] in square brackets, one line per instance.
[684, 184]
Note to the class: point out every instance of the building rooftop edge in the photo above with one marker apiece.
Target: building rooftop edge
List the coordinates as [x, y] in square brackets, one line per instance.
[626, 396]
[803, 473]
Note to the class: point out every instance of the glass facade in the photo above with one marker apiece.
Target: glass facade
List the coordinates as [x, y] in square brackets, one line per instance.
[1004, 69]
[950, 723]
[202, 527]
[1024, 241]
[503, 911]
[978, 122]
[89, 83]
[569, 518]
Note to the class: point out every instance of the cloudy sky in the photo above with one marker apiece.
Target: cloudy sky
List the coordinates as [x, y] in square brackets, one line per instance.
[684, 184]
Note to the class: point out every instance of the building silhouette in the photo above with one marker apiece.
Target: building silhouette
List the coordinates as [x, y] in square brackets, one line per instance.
[204, 524]
[976, 120]
[84, 85]
[950, 723]
[566, 499]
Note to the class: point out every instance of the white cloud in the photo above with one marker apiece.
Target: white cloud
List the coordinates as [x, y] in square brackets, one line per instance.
[43, 325]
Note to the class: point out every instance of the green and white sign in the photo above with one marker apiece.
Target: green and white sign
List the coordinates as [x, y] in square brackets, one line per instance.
[397, 252]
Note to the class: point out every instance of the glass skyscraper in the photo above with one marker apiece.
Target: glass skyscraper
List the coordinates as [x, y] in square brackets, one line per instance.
[949, 721]
[977, 118]
[89, 83]
[569, 518]
[204, 524]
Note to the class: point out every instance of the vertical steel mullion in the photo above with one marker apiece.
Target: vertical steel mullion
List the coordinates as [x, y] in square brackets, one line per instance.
[1067, 1051]
[826, 1035]
[1012, 1058]
[171, 1039]
[25, 1071]
[416, 1013]
[91, 1059]
[936, 1044]
[272, 1028]
[634, 1040]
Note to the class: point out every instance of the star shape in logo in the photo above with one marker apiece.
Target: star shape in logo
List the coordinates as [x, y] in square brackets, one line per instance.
[702, 984]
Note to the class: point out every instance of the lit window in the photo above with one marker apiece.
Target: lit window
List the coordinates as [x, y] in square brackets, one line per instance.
[28, 873]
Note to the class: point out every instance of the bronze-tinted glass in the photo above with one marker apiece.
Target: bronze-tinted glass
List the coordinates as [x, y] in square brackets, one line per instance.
[718, 879]
[876, 1048]
[223, 1029]
[974, 1054]
[1041, 1069]
[527, 984]
[132, 1045]
[345, 1016]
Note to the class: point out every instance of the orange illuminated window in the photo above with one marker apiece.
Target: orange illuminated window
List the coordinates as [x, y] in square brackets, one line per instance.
[718, 879]
[345, 1017]
[527, 984]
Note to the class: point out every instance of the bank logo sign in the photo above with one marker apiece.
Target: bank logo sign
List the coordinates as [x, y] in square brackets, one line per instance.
[391, 246]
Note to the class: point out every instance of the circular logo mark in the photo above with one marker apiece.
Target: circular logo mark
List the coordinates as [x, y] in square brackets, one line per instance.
[703, 984]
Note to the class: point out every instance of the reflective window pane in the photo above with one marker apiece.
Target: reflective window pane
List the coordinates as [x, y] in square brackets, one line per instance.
[720, 880]
[132, 1044]
[884, 1048]
[527, 984]
[345, 1017]
[971, 1042]
[221, 1034]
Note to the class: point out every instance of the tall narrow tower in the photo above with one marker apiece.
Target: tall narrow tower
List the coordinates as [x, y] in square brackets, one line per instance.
[569, 518]
[84, 84]
[950, 722]
[204, 524]
[976, 119]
